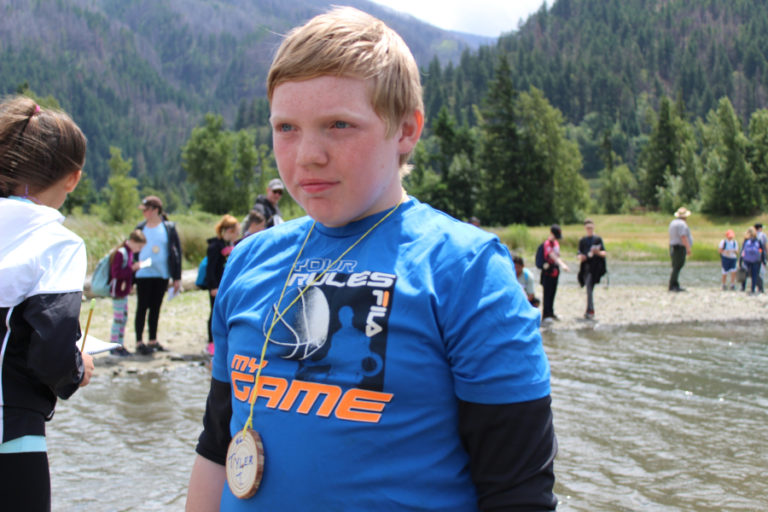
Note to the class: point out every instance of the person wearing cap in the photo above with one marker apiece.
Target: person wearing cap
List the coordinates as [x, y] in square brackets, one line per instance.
[763, 239]
[551, 271]
[591, 257]
[266, 204]
[729, 254]
[680, 242]
[163, 251]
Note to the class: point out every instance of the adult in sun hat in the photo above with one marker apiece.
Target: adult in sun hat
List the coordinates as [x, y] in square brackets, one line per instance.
[680, 243]
[163, 253]
[729, 255]
[267, 204]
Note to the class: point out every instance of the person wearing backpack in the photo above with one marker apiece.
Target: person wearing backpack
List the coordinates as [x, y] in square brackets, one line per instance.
[752, 257]
[763, 239]
[163, 249]
[121, 271]
[219, 248]
[550, 272]
[729, 253]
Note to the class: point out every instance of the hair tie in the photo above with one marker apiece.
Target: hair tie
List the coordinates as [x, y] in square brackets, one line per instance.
[37, 109]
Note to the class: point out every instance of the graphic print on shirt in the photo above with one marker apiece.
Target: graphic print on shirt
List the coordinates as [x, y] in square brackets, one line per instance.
[336, 331]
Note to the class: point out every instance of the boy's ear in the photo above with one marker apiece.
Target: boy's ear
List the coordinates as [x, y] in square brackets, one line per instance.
[72, 179]
[410, 131]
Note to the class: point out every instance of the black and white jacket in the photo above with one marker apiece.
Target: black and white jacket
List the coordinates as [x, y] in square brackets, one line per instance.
[42, 269]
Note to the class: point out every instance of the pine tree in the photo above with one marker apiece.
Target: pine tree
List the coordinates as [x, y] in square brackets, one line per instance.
[731, 187]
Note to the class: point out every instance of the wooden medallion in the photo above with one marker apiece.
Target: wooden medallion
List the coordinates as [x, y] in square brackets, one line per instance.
[245, 463]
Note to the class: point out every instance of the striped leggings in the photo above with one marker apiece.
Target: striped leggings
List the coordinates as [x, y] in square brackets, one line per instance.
[119, 317]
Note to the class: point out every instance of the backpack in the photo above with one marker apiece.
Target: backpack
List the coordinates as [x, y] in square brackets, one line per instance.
[540, 256]
[751, 251]
[101, 280]
[202, 269]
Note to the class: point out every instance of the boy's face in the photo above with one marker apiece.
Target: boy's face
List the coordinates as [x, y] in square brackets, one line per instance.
[332, 151]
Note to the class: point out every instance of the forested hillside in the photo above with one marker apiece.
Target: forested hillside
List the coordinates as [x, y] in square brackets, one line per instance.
[660, 103]
[657, 102]
[140, 74]
[602, 63]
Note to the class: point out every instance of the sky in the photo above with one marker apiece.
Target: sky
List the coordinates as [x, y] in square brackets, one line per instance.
[482, 17]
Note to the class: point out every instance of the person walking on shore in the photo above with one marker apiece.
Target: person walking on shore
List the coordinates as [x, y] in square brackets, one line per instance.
[592, 264]
[550, 272]
[753, 257]
[680, 243]
[729, 254]
[763, 239]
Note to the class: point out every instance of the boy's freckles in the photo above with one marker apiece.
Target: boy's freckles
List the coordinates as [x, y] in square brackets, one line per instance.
[332, 150]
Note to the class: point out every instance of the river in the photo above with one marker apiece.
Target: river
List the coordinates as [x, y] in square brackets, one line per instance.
[670, 418]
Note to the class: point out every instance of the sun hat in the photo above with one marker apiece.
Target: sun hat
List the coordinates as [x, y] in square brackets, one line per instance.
[682, 213]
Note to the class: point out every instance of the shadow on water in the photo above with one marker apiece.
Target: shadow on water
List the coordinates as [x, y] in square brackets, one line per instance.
[662, 418]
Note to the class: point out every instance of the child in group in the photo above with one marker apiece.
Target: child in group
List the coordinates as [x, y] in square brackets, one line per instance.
[729, 255]
[381, 350]
[525, 278]
[121, 271]
[254, 223]
[42, 270]
[219, 248]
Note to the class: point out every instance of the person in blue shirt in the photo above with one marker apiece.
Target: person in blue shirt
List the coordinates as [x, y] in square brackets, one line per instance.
[382, 350]
[163, 252]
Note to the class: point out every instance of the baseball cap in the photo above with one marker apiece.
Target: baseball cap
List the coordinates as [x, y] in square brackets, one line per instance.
[555, 230]
[276, 184]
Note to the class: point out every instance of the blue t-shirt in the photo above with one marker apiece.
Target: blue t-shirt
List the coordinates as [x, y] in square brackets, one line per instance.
[157, 249]
[357, 407]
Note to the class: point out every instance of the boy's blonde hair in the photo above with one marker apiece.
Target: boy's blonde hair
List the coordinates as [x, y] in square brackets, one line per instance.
[350, 43]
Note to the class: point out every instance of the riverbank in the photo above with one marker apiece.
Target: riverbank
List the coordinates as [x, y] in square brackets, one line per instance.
[635, 296]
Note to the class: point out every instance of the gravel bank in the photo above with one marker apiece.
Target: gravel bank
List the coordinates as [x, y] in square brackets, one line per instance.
[183, 320]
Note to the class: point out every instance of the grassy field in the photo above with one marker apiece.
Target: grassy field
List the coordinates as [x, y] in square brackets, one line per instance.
[627, 237]
[634, 237]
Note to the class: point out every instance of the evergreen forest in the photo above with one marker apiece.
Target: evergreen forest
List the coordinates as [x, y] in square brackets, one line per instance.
[588, 106]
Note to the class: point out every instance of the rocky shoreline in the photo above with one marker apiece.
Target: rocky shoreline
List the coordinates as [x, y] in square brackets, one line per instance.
[182, 328]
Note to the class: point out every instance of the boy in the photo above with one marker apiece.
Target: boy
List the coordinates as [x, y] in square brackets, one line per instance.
[404, 368]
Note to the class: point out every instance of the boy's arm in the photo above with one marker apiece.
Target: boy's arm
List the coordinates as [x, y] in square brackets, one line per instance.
[205, 486]
[208, 473]
[511, 449]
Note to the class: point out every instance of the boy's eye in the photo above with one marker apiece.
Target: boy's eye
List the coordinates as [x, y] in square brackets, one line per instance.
[284, 127]
[340, 124]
